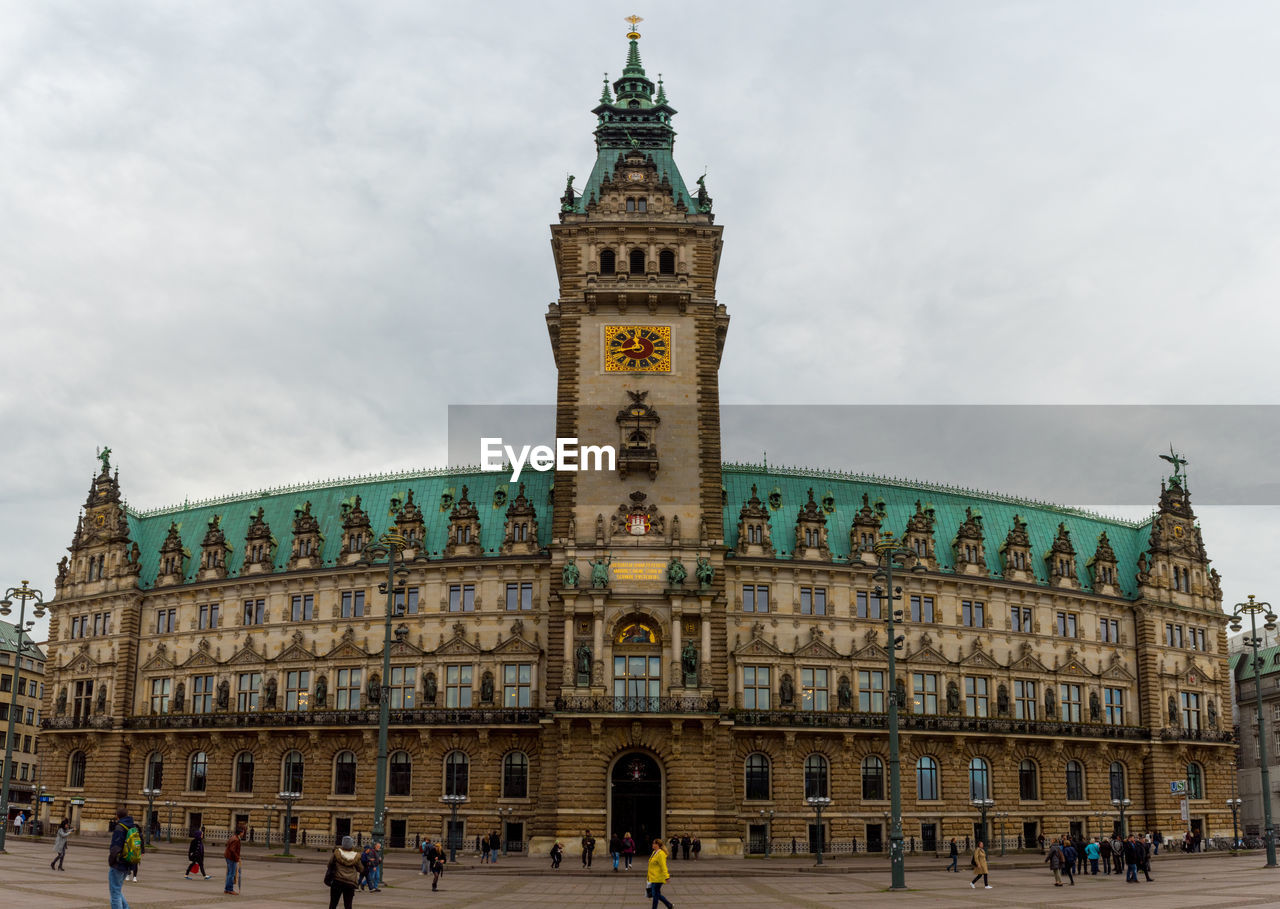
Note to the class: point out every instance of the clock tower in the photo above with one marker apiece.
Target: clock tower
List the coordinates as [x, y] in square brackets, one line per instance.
[637, 335]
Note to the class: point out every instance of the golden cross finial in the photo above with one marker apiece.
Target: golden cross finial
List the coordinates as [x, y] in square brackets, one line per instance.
[634, 20]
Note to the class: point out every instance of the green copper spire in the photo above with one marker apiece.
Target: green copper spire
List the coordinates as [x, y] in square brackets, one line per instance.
[634, 67]
[662, 92]
[605, 97]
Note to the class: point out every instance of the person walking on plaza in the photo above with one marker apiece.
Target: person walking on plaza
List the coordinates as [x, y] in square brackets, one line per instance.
[1069, 859]
[366, 868]
[658, 875]
[1117, 854]
[1056, 860]
[980, 868]
[615, 849]
[375, 875]
[495, 847]
[435, 861]
[628, 850]
[19, 821]
[123, 838]
[1145, 861]
[424, 848]
[557, 853]
[1132, 856]
[955, 857]
[1157, 841]
[232, 855]
[1092, 852]
[195, 855]
[588, 848]
[697, 847]
[346, 867]
[1104, 852]
[60, 845]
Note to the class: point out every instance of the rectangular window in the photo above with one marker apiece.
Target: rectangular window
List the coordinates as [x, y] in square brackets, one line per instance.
[814, 692]
[166, 621]
[255, 612]
[517, 685]
[1067, 624]
[404, 682]
[208, 615]
[1069, 696]
[871, 690]
[755, 688]
[352, 604]
[972, 614]
[975, 696]
[247, 691]
[406, 601]
[82, 699]
[813, 601]
[1197, 639]
[297, 689]
[924, 692]
[1020, 618]
[302, 607]
[868, 605]
[348, 689]
[1113, 701]
[1024, 699]
[462, 597]
[97, 624]
[519, 596]
[159, 696]
[755, 598]
[1190, 711]
[202, 694]
[457, 686]
[921, 609]
[1109, 631]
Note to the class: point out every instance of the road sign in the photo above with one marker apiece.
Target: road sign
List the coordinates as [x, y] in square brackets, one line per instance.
[1186, 815]
[1177, 787]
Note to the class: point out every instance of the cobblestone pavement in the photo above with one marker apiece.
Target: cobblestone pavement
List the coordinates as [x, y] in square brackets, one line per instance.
[1202, 882]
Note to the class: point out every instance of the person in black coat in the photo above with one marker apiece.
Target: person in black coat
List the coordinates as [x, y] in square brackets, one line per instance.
[195, 854]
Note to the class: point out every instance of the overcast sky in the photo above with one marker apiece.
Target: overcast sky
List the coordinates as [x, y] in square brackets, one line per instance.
[251, 244]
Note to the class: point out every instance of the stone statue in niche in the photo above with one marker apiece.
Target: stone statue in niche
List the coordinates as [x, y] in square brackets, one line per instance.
[486, 688]
[582, 658]
[600, 572]
[100, 706]
[1050, 704]
[373, 690]
[1095, 708]
[1002, 700]
[786, 690]
[569, 574]
[705, 572]
[269, 691]
[1212, 709]
[901, 689]
[322, 691]
[953, 697]
[179, 697]
[429, 688]
[676, 573]
[224, 694]
[61, 708]
[1173, 711]
[689, 663]
[844, 693]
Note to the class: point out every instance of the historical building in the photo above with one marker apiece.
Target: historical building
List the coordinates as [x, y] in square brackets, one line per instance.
[1252, 816]
[23, 704]
[674, 644]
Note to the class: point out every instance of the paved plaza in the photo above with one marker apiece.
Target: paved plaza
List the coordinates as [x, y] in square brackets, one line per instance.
[1180, 881]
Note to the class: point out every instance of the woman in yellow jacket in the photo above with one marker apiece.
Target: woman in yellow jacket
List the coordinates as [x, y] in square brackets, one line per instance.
[658, 875]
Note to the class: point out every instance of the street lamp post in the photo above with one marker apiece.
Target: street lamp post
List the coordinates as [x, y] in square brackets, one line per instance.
[504, 812]
[454, 801]
[151, 810]
[983, 805]
[1000, 816]
[169, 804]
[288, 797]
[1102, 815]
[1252, 608]
[818, 802]
[1121, 805]
[390, 547]
[766, 818]
[23, 594]
[891, 556]
[1234, 805]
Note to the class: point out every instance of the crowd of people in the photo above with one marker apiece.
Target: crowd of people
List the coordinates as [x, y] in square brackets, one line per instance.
[1128, 855]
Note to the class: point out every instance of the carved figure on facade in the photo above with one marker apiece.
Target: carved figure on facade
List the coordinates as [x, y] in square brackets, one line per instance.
[224, 694]
[600, 571]
[322, 691]
[1050, 703]
[1173, 711]
[179, 697]
[430, 689]
[100, 706]
[705, 572]
[1212, 709]
[1002, 700]
[844, 693]
[1095, 708]
[689, 663]
[676, 573]
[637, 519]
[373, 689]
[582, 658]
[61, 708]
[269, 693]
[953, 697]
[786, 690]
[569, 574]
[486, 688]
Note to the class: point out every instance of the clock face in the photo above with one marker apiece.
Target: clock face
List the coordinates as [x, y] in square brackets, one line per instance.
[1178, 531]
[637, 348]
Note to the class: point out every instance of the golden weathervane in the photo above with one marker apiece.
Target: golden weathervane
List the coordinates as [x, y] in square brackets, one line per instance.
[634, 20]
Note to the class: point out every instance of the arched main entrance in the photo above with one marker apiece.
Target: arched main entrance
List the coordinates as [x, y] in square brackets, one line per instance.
[635, 799]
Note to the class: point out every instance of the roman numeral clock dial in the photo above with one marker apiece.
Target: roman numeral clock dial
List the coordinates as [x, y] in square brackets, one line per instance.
[637, 348]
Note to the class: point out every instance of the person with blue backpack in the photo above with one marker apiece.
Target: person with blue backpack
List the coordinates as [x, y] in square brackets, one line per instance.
[123, 855]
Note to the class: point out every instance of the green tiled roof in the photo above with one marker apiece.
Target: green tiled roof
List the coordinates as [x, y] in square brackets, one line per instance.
[9, 641]
[150, 528]
[1242, 665]
[1128, 538]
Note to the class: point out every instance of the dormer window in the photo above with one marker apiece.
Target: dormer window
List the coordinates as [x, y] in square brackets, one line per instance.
[637, 261]
[356, 543]
[464, 535]
[666, 262]
[607, 262]
[755, 533]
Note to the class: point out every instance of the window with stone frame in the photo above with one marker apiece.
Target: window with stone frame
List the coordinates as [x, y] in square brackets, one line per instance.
[872, 778]
[1116, 777]
[403, 686]
[1109, 631]
[515, 775]
[1024, 699]
[166, 621]
[608, 261]
[159, 696]
[1069, 700]
[973, 613]
[400, 776]
[456, 773]
[871, 688]
[255, 612]
[406, 601]
[1028, 781]
[82, 699]
[348, 688]
[813, 601]
[457, 685]
[75, 775]
[462, 597]
[756, 688]
[867, 605]
[198, 772]
[519, 596]
[1195, 781]
[755, 597]
[636, 260]
[1190, 711]
[1113, 706]
[344, 773]
[244, 772]
[247, 688]
[922, 609]
[927, 779]
[666, 262]
[302, 607]
[924, 693]
[976, 696]
[979, 779]
[202, 694]
[297, 689]
[757, 777]
[1173, 635]
[517, 685]
[1020, 619]
[291, 772]
[155, 771]
[814, 688]
[208, 616]
[816, 777]
[1068, 625]
[1075, 781]
[352, 604]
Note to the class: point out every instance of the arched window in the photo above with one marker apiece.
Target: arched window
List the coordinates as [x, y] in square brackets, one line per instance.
[198, 777]
[872, 778]
[244, 772]
[401, 773]
[1075, 781]
[631, 203]
[927, 779]
[515, 775]
[155, 770]
[815, 776]
[456, 768]
[637, 261]
[1117, 780]
[75, 778]
[1195, 781]
[1028, 781]
[666, 262]
[757, 776]
[344, 773]
[291, 774]
[979, 779]
[607, 262]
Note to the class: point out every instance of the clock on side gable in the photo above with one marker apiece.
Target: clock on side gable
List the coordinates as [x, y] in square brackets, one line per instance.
[637, 348]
